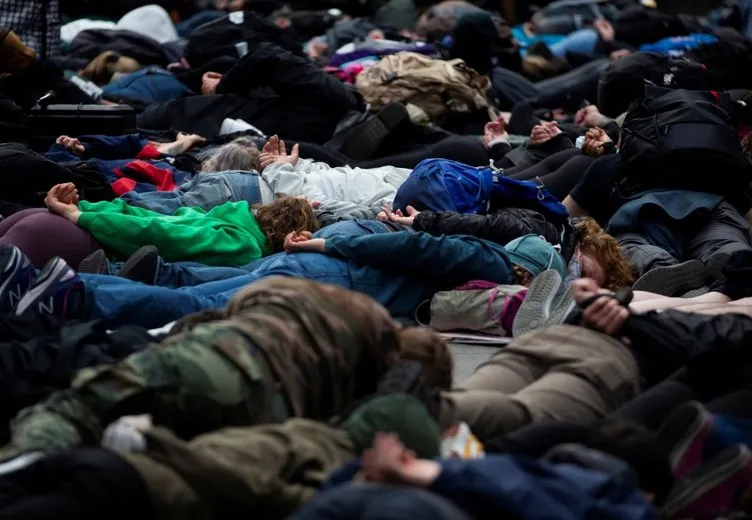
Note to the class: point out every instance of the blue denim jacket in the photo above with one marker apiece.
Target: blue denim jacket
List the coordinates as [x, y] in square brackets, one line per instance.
[205, 190]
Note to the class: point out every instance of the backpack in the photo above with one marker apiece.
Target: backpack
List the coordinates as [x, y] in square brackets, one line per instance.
[623, 82]
[435, 86]
[682, 139]
[443, 185]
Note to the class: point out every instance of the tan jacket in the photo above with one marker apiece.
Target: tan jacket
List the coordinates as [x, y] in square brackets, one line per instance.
[269, 470]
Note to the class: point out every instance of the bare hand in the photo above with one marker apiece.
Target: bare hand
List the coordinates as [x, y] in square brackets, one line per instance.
[605, 29]
[544, 132]
[495, 131]
[303, 242]
[595, 140]
[590, 116]
[209, 83]
[396, 216]
[275, 151]
[388, 461]
[604, 314]
[71, 144]
[63, 200]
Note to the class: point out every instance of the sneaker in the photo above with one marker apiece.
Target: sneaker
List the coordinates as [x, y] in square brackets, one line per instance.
[713, 488]
[538, 304]
[364, 140]
[16, 276]
[684, 433]
[142, 265]
[95, 263]
[56, 290]
[674, 279]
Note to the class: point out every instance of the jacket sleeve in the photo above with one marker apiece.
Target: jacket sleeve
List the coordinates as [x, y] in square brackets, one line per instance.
[248, 469]
[673, 338]
[454, 258]
[500, 227]
[112, 147]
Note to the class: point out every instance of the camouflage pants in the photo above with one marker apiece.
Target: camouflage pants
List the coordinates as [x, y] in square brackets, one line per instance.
[195, 382]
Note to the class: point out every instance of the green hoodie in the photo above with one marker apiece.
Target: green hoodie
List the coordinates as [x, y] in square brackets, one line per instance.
[227, 235]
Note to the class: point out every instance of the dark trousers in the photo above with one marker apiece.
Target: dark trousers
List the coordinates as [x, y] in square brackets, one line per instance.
[85, 483]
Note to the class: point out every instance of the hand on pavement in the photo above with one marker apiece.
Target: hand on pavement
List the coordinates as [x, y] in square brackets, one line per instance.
[275, 151]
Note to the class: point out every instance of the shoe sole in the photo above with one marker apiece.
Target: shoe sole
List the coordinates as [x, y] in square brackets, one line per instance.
[564, 307]
[726, 465]
[95, 263]
[44, 281]
[536, 307]
[671, 280]
[698, 431]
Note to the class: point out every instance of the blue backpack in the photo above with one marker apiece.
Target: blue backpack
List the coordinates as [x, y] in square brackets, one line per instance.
[442, 185]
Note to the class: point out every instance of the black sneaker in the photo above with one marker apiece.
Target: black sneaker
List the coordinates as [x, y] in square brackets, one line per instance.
[362, 141]
[95, 263]
[684, 433]
[735, 280]
[16, 276]
[142, 265]
[673, 280]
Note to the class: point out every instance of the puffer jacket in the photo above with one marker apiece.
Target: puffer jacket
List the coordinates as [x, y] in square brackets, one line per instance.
[501, 226]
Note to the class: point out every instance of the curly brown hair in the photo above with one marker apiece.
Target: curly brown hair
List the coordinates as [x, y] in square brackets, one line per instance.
[426, 346]
[594, 241]
[282, 217]
[522, 276]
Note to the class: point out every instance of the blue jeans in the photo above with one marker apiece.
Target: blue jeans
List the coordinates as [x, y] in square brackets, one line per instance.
[580, 42]
[186, 274]
[119, 301]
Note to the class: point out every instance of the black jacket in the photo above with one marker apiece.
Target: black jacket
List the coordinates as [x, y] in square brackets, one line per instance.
[501, 226]
[664, 342]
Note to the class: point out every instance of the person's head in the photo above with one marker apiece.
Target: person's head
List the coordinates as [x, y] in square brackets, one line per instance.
[15, 57]
[640, 449]
[478, 37]
[282, 217]
[426, 346]
[530, 256]
[601, 257]
[401, 414]
[241, 154]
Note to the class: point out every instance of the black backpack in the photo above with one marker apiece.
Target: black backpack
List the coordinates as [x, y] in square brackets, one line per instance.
[682, 139]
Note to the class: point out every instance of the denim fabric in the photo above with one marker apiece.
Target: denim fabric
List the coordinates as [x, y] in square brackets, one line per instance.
[119, 301]
[186, 274]
[150, 85]
[581, 42]
[205, 190]
[186, 27]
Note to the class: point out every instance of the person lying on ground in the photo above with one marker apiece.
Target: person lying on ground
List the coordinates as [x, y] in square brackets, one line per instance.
[220, 474]
[570, 481]
[230, 234]
[400, 270]
[258, 361]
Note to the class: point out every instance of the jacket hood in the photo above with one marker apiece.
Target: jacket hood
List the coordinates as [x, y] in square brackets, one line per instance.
[401, 414]
[535, 255]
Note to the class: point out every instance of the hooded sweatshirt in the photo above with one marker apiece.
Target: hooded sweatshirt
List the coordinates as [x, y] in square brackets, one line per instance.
[227, 235]
[270, 470]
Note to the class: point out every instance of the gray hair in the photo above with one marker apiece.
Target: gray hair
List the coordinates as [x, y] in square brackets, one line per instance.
[241, 154]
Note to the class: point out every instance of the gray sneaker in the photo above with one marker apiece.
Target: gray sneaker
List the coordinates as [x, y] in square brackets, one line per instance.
[673, 280]
[540, 301]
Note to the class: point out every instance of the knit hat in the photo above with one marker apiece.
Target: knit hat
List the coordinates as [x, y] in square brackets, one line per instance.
[535, 255]
[401, 414]
[15, 57]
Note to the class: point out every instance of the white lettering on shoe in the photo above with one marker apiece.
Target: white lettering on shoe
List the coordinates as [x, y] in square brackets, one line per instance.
[15, 296]
[47, 309]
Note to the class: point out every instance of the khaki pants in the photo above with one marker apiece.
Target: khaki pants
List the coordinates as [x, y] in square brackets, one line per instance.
[559, 373]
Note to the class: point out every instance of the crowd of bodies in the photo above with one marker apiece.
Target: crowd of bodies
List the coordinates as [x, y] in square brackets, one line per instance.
[220, 315]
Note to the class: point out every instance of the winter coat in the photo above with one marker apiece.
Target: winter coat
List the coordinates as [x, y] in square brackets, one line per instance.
[346, 192]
